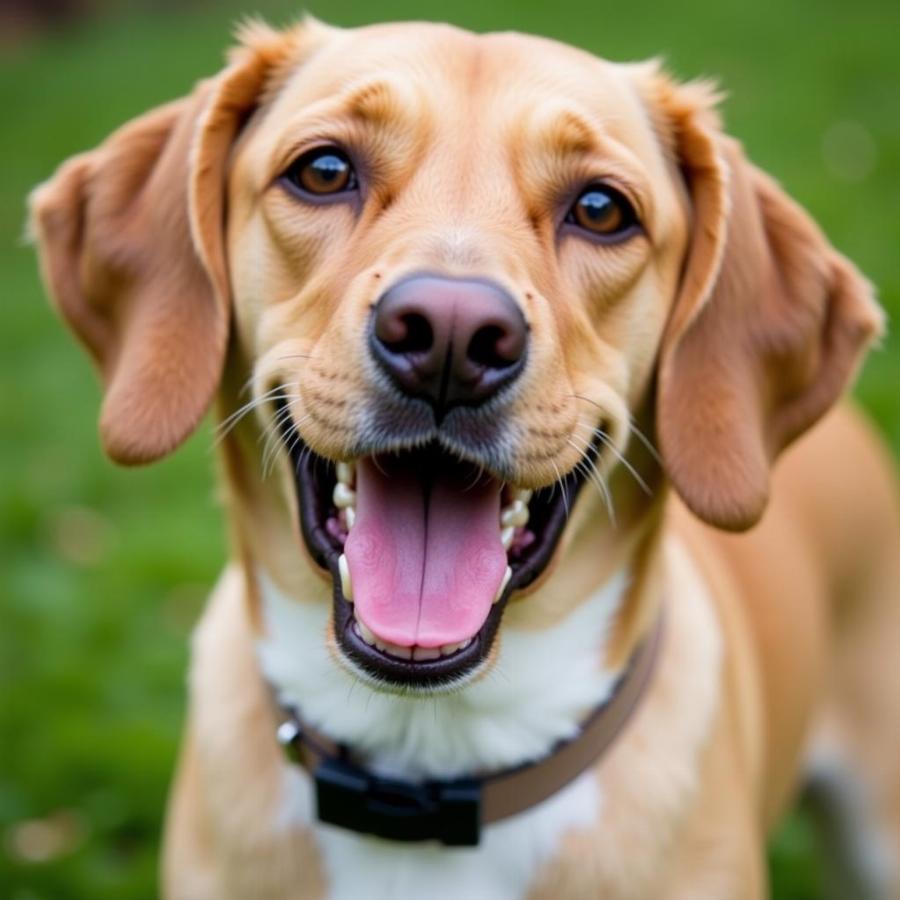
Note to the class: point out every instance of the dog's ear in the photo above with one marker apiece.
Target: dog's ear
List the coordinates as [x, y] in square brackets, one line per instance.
[131, 244]
[768, 327]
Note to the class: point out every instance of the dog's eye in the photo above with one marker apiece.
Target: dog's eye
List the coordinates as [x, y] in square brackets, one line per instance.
[321, 172]
[603, 211]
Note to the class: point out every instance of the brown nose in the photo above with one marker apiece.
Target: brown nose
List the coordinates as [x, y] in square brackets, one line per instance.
[449, 341]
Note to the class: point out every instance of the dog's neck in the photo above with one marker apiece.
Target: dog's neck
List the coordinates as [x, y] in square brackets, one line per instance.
[545, 680]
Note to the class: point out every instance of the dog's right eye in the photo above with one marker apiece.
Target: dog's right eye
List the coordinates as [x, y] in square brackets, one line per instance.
[321, 173]
[604, 213]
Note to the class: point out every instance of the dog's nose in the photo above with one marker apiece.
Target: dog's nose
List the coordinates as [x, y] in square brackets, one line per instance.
[449, 341]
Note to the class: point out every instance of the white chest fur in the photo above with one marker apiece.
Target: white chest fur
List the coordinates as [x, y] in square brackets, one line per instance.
[537, 693]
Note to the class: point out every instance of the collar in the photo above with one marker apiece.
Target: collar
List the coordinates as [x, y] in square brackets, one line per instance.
[454, 811]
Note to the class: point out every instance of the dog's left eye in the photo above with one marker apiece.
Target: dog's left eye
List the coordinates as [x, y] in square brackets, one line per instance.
[322, 172]
[603, 211]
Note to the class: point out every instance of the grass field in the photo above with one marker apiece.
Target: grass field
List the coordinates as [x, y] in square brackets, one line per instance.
[104, 570]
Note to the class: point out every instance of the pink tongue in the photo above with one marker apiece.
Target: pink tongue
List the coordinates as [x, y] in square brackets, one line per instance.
[425, 567]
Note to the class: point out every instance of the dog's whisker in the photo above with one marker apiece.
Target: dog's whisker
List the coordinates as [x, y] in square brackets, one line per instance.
[632, 427]
[275, 393]
[230, 421]
[275, 422]
[247, 385]
[592, 470]
[597, 480]
[271, 434]
[267, 453]
[476, 478]
[647, 443]
[305, 455]
[274, 441]
[227, 429]
[629, 467]
[562, 488]
[296, 439]
[592, 474]
[594, 403]
[601, 435]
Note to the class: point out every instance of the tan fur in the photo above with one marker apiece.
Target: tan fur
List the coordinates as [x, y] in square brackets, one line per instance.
[732, 325]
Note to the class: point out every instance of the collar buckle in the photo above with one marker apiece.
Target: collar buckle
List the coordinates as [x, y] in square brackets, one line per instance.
[445, 811]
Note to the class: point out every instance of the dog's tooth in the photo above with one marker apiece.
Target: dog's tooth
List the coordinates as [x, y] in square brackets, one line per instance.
[346, 473]
[426, 653]
[366, 633]
[398, 651]
[515, 515]
[349, 517]
[343, 496]
[523, 495]
[450, 649]
[346, 584]
[506, 576]
[506, 537]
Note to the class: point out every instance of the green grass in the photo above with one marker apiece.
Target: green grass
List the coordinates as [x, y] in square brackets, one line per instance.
[104, 570]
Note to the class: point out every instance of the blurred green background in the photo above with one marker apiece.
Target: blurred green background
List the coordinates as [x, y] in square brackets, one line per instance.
[104, 570]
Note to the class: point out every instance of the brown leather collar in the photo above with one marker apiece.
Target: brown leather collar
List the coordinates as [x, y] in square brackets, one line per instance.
[453, 811]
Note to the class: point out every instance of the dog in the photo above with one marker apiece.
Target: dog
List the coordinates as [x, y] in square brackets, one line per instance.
[518, 605]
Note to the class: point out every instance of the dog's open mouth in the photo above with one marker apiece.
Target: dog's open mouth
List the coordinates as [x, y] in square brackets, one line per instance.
[424, 551]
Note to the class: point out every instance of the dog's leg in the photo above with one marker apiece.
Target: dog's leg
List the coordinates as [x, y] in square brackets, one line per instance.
[188, 872]
[856, 857]
[854, 787]
[719, 856]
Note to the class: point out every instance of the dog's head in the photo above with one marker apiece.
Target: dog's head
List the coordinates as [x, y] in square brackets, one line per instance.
[458, 273]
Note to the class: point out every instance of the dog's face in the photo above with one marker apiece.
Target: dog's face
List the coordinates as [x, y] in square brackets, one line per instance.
[458, 268]
[458, 293]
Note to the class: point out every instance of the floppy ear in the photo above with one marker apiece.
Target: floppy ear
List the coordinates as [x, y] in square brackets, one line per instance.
[768, 328]
[132, 251]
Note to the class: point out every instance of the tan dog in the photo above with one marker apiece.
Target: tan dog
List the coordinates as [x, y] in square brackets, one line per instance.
[469, 280]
